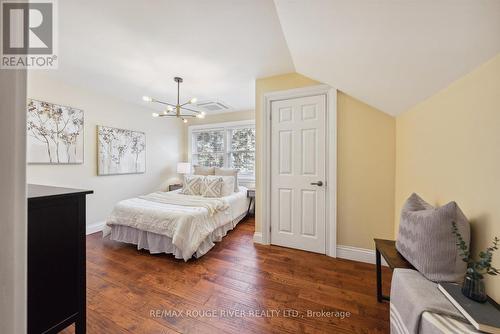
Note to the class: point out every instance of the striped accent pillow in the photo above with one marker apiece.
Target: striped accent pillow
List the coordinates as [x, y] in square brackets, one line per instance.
[192, 185]
[211, 186]
[426, 240]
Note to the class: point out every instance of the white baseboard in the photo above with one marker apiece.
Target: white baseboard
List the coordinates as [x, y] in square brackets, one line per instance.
[96, 227]
[343, 252]
[357, 254]
[257, 237]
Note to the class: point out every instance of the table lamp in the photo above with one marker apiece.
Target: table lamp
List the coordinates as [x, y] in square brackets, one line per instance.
[182, 168]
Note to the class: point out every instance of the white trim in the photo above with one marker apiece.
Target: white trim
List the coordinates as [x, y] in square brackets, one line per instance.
[257, 237]
[221, 125]
[331, 194]
[13, 203]
[95, 227]
[357, 254]
[331, 177]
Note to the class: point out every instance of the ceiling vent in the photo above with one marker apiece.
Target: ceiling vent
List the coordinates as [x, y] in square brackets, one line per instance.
[213, 106]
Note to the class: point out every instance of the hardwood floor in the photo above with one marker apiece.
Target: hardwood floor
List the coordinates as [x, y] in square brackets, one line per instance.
[125, 287]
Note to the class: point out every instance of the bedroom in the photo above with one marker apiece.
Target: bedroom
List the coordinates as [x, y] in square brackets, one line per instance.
[192, 221]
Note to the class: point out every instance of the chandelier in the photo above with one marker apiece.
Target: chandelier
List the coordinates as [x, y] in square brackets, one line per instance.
[176, 110]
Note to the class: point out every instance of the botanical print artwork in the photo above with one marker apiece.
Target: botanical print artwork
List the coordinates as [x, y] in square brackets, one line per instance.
[55, 133]
[120, 151]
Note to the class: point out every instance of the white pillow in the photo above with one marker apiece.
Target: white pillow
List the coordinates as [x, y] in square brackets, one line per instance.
[192, 185]
[229, 172]
[202, 170]
[227, 185]
[211, 186]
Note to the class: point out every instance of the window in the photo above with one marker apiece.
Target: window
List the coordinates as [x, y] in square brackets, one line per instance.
[208, 148]
[229, 145]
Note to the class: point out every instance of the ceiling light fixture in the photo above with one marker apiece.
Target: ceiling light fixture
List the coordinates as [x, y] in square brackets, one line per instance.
[176, 110]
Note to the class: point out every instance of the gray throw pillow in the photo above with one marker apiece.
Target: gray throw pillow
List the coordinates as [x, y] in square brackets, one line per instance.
[426, 240]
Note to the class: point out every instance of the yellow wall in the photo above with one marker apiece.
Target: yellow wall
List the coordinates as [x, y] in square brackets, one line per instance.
[366, 161]
[365, 173]
[448, 148]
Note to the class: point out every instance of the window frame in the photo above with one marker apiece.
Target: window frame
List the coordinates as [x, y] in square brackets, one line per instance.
[226, 127]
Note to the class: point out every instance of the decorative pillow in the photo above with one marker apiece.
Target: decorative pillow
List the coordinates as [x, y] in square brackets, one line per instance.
[227, 185]
[426, 240]
[229, 172]
[201, 170]
[211, 186]
[192, 185]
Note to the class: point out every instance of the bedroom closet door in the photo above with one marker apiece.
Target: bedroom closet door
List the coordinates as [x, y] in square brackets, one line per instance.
[298, 173]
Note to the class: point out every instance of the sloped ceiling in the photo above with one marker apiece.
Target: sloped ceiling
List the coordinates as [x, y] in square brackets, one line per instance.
[133, 48]
[390, 54]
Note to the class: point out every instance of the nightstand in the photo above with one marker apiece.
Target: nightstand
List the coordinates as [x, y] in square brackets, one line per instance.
[251, 195]
[173, 187]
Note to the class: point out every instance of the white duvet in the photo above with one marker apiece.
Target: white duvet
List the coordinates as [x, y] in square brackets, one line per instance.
[187, 220]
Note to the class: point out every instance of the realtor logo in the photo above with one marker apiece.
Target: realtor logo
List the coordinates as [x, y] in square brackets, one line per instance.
[28, 34]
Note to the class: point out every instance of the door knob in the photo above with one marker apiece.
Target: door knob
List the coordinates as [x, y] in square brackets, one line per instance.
[319, 183]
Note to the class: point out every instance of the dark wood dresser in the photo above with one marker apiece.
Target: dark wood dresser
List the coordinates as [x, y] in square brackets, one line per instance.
[56, 259]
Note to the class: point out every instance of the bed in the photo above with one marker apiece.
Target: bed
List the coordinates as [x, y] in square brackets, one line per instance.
[170, 222]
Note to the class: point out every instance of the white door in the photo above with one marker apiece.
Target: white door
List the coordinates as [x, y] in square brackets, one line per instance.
[298, 170]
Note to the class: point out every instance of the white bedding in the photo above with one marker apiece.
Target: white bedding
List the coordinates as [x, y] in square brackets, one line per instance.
[154, 223]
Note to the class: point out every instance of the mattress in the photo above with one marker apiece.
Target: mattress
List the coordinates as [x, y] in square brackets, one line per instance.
[219, 224]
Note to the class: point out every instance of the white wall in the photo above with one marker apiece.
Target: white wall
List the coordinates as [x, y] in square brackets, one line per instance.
[165, 142]
[13, 202]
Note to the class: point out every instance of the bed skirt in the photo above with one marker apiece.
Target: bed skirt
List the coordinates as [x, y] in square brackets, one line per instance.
[156, 243]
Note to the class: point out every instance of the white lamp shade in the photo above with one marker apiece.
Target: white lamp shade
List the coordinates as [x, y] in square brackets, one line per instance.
[183, 168]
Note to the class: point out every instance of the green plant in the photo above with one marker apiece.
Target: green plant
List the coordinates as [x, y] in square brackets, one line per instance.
[483, 265]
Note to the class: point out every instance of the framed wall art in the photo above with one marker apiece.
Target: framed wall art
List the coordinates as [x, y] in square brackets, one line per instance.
[55, 133]
[120, 151]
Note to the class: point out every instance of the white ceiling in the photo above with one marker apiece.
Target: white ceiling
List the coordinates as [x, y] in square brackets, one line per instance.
[390, 54]
[133, 48]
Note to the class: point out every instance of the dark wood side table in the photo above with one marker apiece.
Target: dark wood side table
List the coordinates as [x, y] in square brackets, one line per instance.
[387, 249]
[251, 195]
[173, 187]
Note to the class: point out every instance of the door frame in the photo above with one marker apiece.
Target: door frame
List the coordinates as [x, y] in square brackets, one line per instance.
[331, 160]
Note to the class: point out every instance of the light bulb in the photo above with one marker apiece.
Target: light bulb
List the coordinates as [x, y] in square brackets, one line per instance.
[170, 108]
[155, 114]
[147, 98]
[200, 116]
[193, 100]
[165, 112]
[203, 113]
[185, 120]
